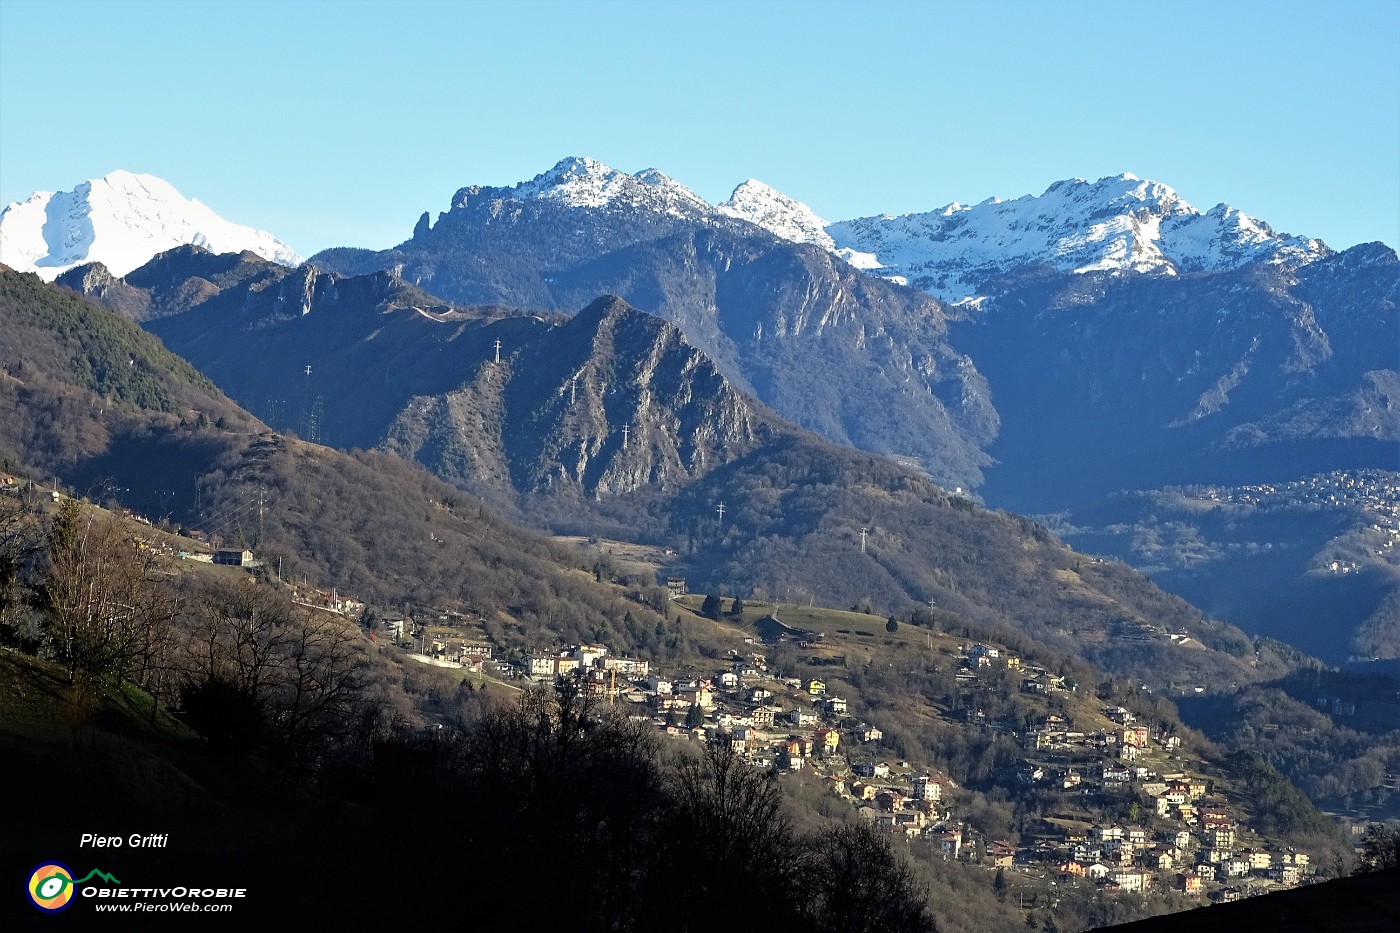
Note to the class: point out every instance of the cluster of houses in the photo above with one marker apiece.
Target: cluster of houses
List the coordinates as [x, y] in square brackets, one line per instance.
[1373, 495]
[773, 722]
[591, 663]
[792, 724]
[1034, 679]
[1203, 860]
[1200, 853]
[443, 650]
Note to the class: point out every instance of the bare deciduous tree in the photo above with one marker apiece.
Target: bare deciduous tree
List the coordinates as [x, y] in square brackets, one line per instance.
[98, 596]
[293, 673]
[855, 883]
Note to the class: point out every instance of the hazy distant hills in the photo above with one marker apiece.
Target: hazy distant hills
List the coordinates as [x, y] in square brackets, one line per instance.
[1108, 383]
[1262, 376]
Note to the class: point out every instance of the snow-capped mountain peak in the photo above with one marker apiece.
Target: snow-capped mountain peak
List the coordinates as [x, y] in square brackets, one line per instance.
[782, 216]
[121, 220]
[1121, 223]
[576, 180]
[579, 181]
[788, 219]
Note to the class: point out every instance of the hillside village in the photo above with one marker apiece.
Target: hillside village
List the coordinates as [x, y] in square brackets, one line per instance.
[1085, 764]
[1372, 497]
[1087, 768]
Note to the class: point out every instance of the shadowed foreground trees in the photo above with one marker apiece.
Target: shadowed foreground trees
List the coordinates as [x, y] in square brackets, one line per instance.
[568, 816]
[248, 666]
[259, 668]
[1380, 848]
[17, 542]
[854, 883]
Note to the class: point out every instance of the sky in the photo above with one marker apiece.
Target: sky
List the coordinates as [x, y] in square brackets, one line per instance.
[338, 124]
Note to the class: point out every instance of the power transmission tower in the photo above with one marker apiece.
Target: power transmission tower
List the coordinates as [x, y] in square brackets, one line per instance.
[498, 351]
[862, 540]
[720, 510]
[625, 432]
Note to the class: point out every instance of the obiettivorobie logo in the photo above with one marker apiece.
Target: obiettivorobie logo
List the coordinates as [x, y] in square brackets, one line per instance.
[51, 886]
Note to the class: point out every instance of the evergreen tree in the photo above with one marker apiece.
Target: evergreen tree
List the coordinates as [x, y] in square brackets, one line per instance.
[710, 608]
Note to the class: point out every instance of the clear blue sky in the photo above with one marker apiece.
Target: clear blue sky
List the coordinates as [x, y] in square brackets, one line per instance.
[338, 123]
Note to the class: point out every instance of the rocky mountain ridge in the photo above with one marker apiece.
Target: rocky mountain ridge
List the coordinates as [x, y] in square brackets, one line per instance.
[778, 319]
[1119, 223]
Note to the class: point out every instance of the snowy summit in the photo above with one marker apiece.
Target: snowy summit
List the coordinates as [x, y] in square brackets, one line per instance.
[1121, 223]
[767, 207]
[583, 182]
[121, 220]
[1117, 224]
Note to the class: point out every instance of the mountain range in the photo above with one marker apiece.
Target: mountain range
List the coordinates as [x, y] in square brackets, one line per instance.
[88, 398]
[1103, 338]
[157, 435]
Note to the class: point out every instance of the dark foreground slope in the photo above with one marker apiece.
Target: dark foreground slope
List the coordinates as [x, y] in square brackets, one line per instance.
[1368, 903]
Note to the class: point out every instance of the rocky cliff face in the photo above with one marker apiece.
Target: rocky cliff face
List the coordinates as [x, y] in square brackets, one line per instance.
[611, 402]
[855, 358]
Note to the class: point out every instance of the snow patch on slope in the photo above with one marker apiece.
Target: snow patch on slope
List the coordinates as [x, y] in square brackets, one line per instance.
[788, 219]
[121, 220]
